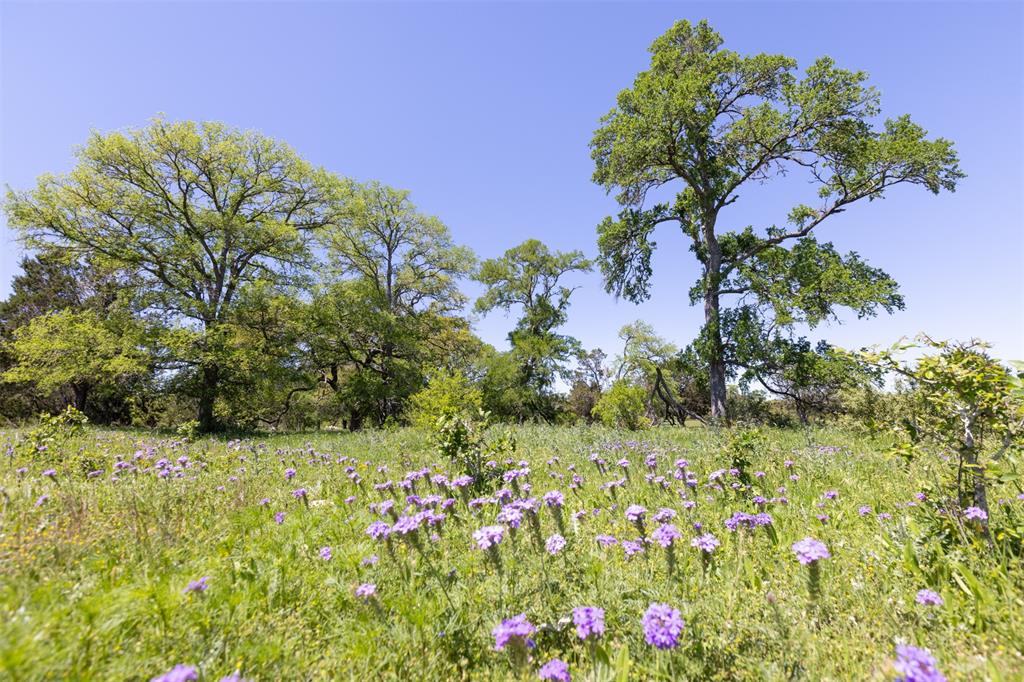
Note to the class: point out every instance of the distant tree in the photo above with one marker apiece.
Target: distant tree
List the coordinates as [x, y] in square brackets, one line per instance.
[387, 308]
[77, 349]
[714, 122]
[811, 379]
[529, 276]
[198, 210]
[588, 383]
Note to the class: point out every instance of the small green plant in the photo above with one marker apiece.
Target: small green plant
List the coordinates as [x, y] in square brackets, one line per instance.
[188, 430]
[623, 406]
[464, 442]
[55, 430]
[447, 394]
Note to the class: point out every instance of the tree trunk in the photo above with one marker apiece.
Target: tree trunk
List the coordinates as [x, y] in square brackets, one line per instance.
[716, 361]
[210, 380]
[81, 391]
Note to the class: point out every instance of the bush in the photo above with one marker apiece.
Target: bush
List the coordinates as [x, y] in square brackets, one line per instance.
[623, 406]
[446, 395]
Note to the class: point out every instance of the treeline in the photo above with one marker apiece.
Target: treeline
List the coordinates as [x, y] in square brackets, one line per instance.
[193, 271]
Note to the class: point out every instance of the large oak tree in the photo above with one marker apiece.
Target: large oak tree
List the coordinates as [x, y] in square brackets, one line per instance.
[199, 210]
[708, 122]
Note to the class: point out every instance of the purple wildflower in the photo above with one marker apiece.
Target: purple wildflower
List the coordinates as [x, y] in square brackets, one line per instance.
[554, 498]
[705, 543]
[489, 536]
[916, 665]
[42, 500]
[606, 540]
[325, 553]
[555, 544]
[635, 513]
[366, 591]
[929, 598]
[662, 626]
[975, 514]
[810, 550]
[665, 534]
[378, 530]
[197, 585]
[299, 494]
[630, 548]
[589, 621]
[554, 669]
[289, 474]
[179, 673]
[279, 518]
[515, 631]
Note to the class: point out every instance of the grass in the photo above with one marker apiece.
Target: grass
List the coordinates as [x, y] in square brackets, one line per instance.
[92, 578]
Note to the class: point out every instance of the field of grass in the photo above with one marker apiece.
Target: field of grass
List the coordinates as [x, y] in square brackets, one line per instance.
[123, 554]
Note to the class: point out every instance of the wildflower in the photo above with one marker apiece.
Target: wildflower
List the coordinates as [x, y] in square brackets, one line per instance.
[197, 585]
[635, 513]
[929, 598]
[864, 510]
[289, 474]
[179, 673]
[42, 500]
[50, 473]
[378, 530]
[589, 621]
[554, 498]
[705, 543]
[665, 514]
[279, 518]
[366, 591]
[515, 631]
[489, 536]
[809, 550]
[606, 540]
[370, 560]
[975, 514]
[662, 626]
[916, 665]
[665, 534]
[325, 553]
[299, 494]
[831, 494]
[631, 548]
[555, 544]
[554, 669]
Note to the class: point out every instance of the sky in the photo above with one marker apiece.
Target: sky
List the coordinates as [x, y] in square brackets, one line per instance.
[485, 112]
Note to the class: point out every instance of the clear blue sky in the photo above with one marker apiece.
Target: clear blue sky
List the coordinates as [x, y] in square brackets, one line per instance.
[484, 111]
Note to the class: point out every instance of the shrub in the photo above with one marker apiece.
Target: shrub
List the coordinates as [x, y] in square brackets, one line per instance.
[448, 394]
[623, 406]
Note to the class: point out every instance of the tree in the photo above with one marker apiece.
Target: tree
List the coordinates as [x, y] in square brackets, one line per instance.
[199, 210]
[964, 397]
[588, 383]
[812, 379]
[76, 349]
[528, 276]
[711, 122]
[386, 310]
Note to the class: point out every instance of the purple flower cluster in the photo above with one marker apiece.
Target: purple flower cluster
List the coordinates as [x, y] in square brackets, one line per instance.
[929, 598]
[665, 534]
[589, 621]
[809, 550]
[555, 669]
[489, 536]
[662, 626]
[555, 544]
[515, 631]
[916, 665]
[705, 543]
[748, 521]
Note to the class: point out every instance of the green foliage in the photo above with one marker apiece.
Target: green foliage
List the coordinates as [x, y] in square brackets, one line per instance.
[463, 440]
[528, 276]
[446, 395]
[199, 211]
[968, 404]
[712, 121]
[272, 601]
[53, 430]
[76, 349]
[623, 406]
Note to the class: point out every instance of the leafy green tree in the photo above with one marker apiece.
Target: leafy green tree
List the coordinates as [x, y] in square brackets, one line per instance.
[447, 394]
[529, 276]
[78, 350]
[198, 210]
[623, 406]
[711, 122]
[386, 310]
[968, 403]
[811, 379]
[588, 383]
